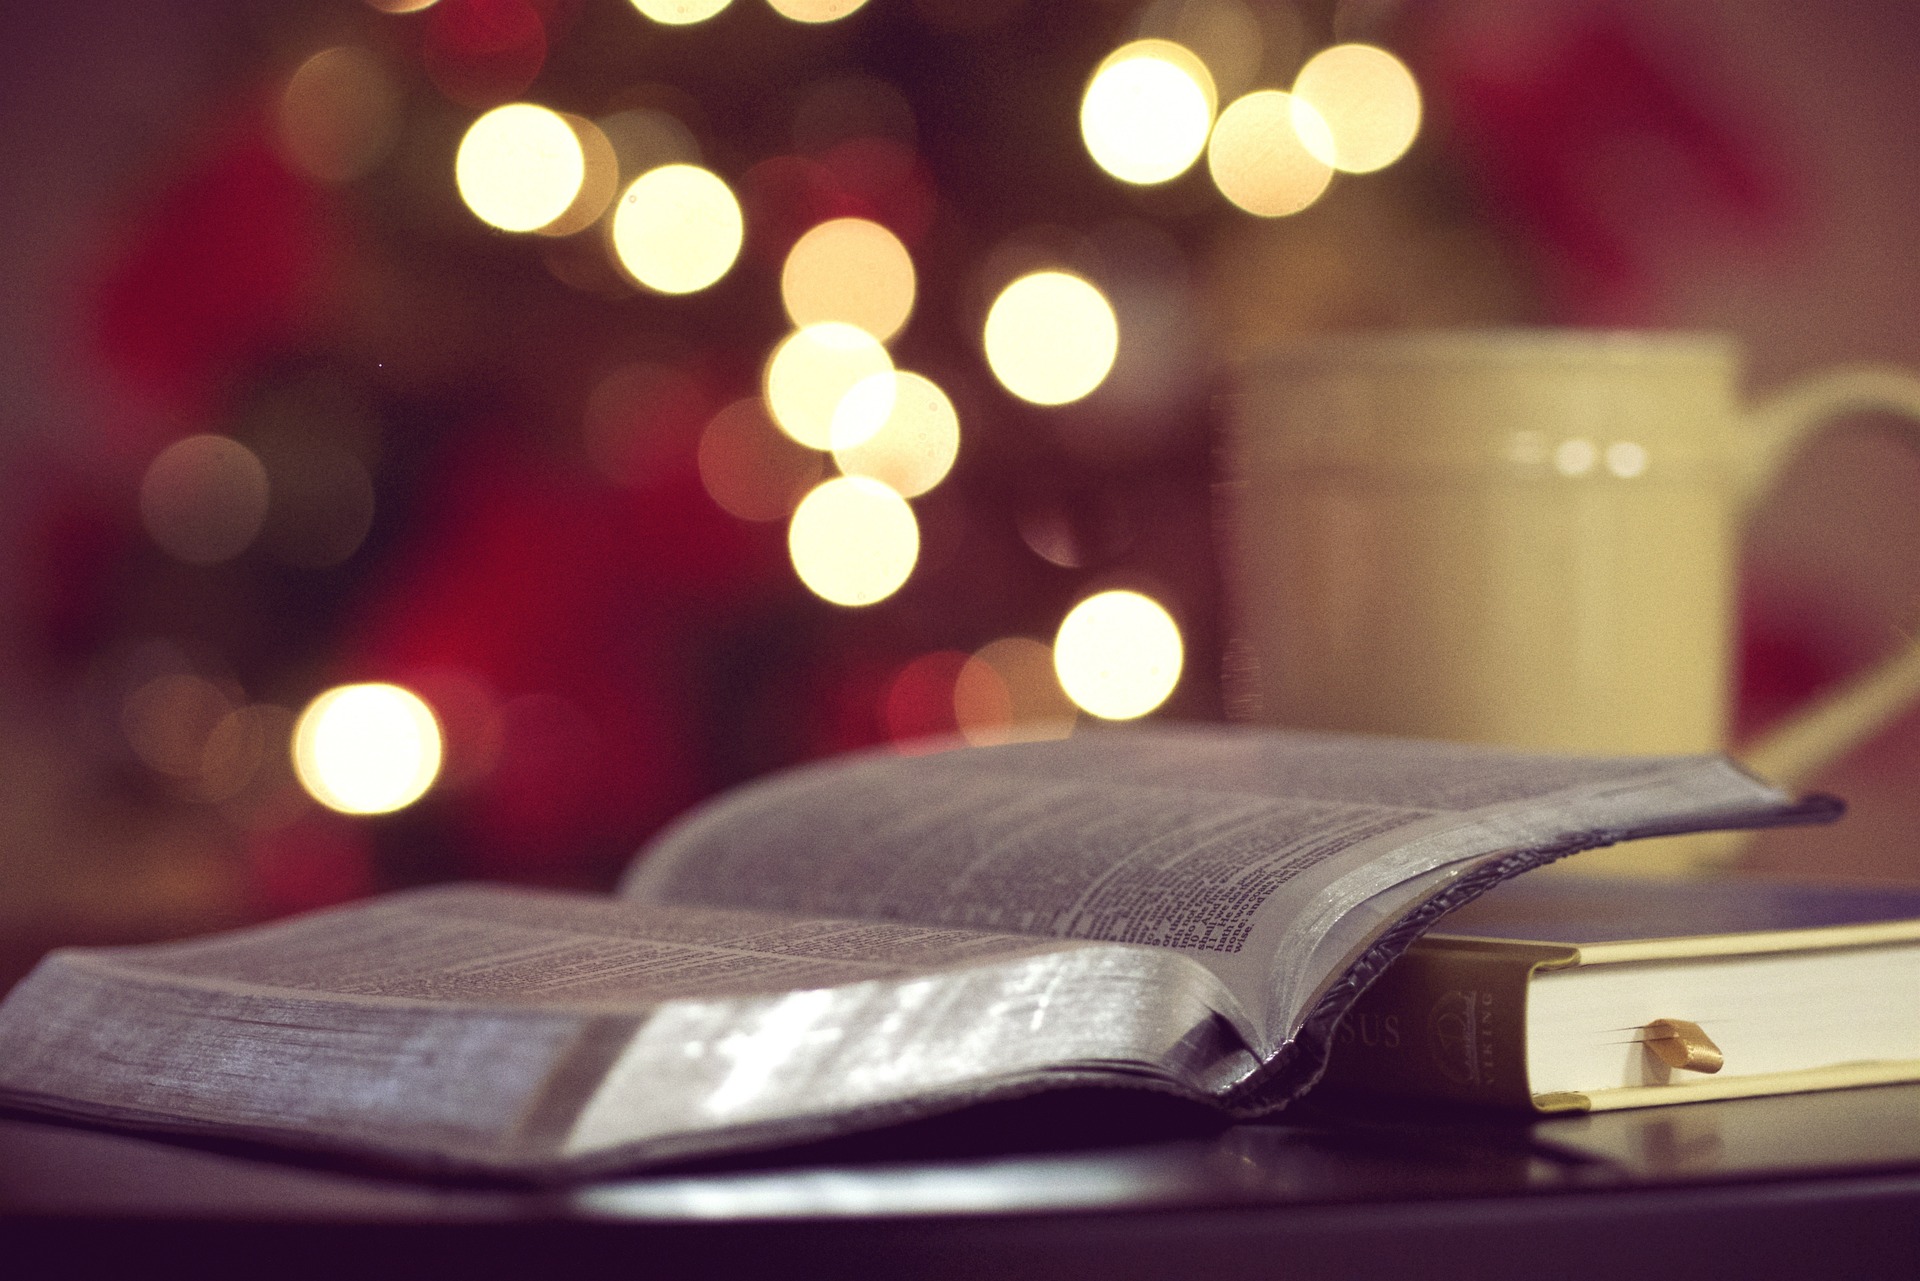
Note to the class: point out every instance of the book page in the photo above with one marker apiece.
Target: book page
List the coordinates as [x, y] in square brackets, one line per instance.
[1235, 846]
[494, 1028]
[495, 945]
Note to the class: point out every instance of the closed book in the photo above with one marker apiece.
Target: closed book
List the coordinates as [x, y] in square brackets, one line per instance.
[1560, 994]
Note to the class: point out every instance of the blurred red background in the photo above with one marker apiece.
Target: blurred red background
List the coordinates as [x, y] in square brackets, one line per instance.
[539, 555]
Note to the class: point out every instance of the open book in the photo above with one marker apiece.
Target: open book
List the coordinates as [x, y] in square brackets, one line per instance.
[847, 944]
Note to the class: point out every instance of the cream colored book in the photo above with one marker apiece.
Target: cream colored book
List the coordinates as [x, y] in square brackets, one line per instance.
[1569, 995]
[1181, 909]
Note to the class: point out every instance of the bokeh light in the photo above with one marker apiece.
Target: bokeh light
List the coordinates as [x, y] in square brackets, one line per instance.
[367, 749]
[1007, 692]
[168, 720]
[482, 53]
[917, 711]
[813, 11]
[400, 6]
[915, 447]
[520, 167]
[1118, 655]
[1626, 458]
[1226, 35]
[1259, 158]
[810, 375]
[599, 180]
[1055, 534]
[1146, 112]
[680, 13]
[1369, 102]
[204, 498]
[644, 139]
[853, 541]
[850, 270]
[235, 749]
[196, 733]
[1575, 457]
[1163, 353]
[322, 501]
[751, 468]
[678, 229]
[1051, 337]
[473, 724]
[339, 114]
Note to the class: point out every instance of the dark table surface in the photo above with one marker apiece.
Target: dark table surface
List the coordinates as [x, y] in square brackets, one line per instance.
[1821, 1184]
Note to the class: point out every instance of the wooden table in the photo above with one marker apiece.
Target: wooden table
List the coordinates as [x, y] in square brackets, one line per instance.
[1810, 1185]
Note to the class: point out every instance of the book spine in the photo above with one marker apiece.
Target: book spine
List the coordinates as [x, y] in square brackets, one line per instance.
[1441, 1023]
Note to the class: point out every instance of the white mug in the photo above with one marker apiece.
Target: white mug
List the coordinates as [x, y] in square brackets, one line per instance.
[1523, 537]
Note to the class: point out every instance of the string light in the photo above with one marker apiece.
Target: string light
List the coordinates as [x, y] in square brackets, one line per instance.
[680, 13]
[815, 11]
[1369, 102]
[919, 705]
[850, 270]
[520, 167]
[849, 285]
[677, 229]
[1146, 112]
[169, 720]
[751, 468]
[1259, 157]
[853, 541]
[917, 442]
[809, 380]
[367, 749]
[1224, 34]
[644, 139]
[203, 499]
[1007, 692]
[1118, 655]
[1051, 337]
[599, 180]
[339, 114]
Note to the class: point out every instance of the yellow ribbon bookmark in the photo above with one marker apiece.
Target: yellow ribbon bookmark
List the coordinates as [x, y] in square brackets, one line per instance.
[1680, 1044]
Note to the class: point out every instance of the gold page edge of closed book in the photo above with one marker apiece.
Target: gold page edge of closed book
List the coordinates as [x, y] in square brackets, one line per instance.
[1839, 1076]
[1749, 943]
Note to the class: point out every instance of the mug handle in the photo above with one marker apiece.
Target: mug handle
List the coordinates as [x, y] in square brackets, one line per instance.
[1777, 429]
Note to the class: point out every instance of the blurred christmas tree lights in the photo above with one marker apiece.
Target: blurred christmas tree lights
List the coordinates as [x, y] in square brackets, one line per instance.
[733, 301]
